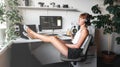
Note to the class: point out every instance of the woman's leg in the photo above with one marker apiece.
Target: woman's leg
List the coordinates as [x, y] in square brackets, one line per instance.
[56, 42]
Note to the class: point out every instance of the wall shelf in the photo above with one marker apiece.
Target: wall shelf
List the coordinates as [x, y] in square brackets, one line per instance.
[48, 8]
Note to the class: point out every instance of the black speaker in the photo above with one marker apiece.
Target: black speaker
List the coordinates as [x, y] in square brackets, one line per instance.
[17, 28]
[87, 19]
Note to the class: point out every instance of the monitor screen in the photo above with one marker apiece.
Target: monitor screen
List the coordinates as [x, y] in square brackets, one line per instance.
[51, 22]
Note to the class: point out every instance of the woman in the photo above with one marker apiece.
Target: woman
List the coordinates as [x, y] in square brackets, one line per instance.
[69, 50]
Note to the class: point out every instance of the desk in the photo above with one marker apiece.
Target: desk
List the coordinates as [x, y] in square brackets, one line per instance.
[30, 41]
[25, 48]
[6, 45]
[12, 51]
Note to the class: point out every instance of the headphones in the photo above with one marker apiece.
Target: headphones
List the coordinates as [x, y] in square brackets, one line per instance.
[87, 21]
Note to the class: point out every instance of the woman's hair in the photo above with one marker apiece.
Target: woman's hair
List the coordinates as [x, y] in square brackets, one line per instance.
[87, 17]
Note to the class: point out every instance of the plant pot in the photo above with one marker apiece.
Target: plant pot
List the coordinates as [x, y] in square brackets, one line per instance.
[108, 58]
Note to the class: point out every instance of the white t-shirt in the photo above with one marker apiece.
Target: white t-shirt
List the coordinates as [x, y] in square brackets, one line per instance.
[77, 37]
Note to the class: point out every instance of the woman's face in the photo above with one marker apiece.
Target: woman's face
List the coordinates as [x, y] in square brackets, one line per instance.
[81, 21]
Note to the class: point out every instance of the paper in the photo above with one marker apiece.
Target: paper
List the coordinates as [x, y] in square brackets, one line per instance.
[58, 22]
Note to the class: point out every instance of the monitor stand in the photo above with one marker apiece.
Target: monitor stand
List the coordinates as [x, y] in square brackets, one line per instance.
[53, 33]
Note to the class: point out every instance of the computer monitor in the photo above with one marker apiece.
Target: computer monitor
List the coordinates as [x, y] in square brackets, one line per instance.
[50, 22]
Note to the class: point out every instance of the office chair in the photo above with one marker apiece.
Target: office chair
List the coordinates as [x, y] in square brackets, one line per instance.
[83, 56]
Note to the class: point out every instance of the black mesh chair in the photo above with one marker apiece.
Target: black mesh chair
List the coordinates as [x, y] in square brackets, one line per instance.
[83, 56]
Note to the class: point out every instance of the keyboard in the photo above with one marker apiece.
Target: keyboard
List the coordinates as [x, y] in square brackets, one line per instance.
[52, 34]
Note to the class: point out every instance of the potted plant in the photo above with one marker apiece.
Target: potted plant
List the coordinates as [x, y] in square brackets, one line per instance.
[13, 17]
[9, 14]
[110, 23]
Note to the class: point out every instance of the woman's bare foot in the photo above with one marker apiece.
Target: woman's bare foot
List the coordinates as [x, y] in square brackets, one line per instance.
[30, 33]
[34, 35]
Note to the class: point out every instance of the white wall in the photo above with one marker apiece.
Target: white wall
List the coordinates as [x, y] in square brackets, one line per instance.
[31, 16]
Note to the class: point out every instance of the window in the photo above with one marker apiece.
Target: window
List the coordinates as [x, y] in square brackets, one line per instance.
[1, 1]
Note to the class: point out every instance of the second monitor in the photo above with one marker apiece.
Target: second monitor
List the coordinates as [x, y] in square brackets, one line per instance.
[51, 22]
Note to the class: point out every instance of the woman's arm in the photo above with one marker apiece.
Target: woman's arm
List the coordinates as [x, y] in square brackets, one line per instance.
[81, 40]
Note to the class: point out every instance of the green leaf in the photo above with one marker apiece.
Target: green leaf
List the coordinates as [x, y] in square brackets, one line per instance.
[116, 19]
[95, 9]
[114, 10]
[110, 9]
[110, 2]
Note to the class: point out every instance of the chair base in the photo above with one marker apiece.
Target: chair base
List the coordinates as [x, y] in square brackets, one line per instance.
[70, 65]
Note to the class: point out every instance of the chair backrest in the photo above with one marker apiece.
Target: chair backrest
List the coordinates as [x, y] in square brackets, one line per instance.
[91, 30]
[87, 42]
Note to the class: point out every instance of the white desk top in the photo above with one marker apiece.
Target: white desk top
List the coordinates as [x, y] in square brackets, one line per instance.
[22, 40]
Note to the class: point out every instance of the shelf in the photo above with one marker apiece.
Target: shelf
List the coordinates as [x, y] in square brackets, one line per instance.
[48, 8]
